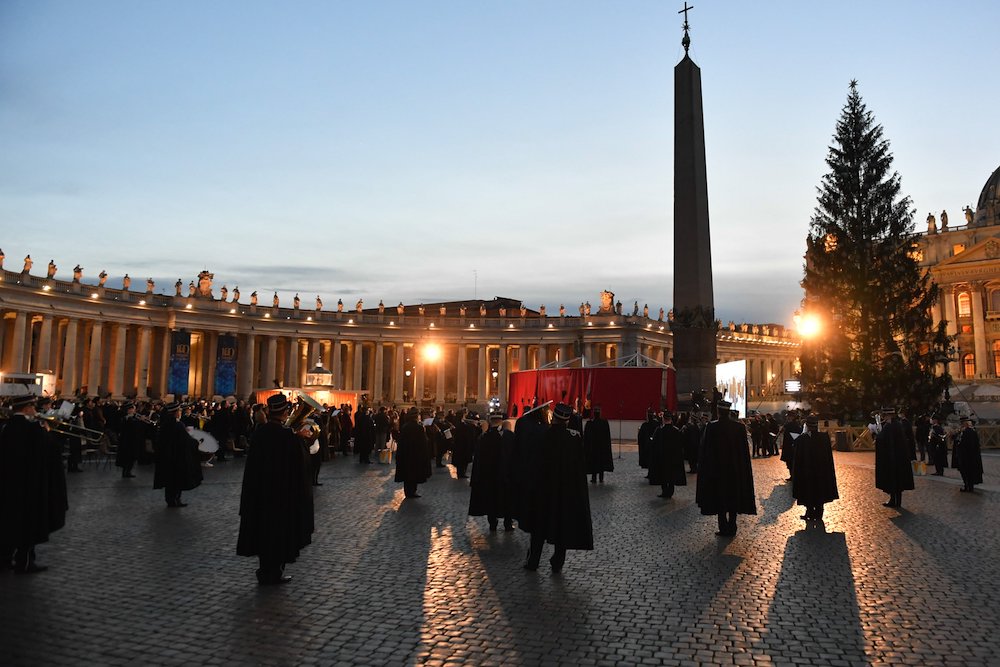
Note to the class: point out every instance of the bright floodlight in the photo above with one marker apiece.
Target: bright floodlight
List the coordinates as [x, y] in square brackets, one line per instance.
[809, 326]
[432, 352]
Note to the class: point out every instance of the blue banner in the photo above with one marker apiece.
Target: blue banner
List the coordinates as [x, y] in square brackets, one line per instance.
[180, 363]
[225, 366]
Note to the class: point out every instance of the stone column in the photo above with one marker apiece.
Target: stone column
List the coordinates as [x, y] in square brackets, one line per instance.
[19, 350]
[566, 350]
[70, 377]
[359, 349]
[439, 392]
[376, 382]
[117, 381]
[522, 357]
[418, 374]
[484, 373]
[983, 366]
[542, 355]
[335, 365]
[44, 355]
[161, 381]
[142, 368]
[463, 372]
[398, 373]
[94, 360]
[270, 360]
[314, 355]
[209, 356]
[948, 296]
[247, 366]
[292, 362]
[502, 375]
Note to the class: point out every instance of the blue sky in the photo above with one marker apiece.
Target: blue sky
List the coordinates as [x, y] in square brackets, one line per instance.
[420, 151]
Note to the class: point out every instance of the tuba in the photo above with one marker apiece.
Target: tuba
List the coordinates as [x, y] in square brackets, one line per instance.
[298, 420]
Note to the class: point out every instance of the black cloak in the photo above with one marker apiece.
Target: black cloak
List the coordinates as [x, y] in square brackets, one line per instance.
[815, 479]
[970, 459]
[667, 457]
[178, 462]
[276, 504]
[492, 478]
[597, 446]
[892, 459]
[413, 456]
[32, 484]
[564, 499]
[725, 478]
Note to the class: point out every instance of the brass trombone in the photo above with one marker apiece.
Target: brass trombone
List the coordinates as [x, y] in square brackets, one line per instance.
[57, 425]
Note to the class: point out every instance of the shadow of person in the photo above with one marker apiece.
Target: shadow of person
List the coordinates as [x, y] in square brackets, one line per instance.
[776, 504]
[815, 605]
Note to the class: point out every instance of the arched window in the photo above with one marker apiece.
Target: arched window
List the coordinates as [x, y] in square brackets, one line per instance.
[964, 305]
[969, 366]
[996, 358]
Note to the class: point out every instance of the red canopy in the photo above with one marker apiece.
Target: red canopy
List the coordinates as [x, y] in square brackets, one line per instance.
[622, 393]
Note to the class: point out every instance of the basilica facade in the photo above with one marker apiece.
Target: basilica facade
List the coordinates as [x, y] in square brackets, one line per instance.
[964, 260]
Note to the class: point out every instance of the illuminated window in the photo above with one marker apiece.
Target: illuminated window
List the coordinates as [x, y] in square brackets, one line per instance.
[917, 254]
[958, 249]
[996, 357]
[968, 366]
[964, 305]
[995, 300]
[830, 243]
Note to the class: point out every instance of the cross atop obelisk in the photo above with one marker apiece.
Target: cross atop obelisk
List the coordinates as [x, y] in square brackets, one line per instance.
[686, 40]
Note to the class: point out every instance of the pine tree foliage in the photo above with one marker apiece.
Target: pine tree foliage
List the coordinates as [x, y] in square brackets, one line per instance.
[879, 344]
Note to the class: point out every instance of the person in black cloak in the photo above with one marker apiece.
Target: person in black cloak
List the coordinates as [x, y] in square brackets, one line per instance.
[492, 481]
[970, 459]
[597, 447]
[562, 509]
[908, 436]
[815, 480]
[178, 461]
[666, 457]
[725, 478]
[32, 488]
[529, 432]
[132, 441]
[364, 434]
[463, 444]
[790, 432]
[938, 445]
[276, 503]
[645, 438]
[893, 473]
[413, 456]
[692, 440]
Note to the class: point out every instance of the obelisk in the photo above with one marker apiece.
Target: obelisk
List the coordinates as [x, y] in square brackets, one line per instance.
[693, 322]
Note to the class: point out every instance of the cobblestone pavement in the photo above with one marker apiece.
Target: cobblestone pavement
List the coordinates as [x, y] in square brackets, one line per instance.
[388, 582]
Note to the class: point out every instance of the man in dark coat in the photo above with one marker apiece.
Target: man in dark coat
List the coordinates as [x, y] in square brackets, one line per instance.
[970, 460]
[725, 479]
[922, 428]
[276, 504]
[492, 479]
[815, 480]
[937, 445]
[911, 441]
[597, 447]
[413, 457]
[645, 438]
[364, 434]
[790, 432]
[32, 488]
[529, 433]
[463, 443]
[692, 441]
[562, 513]
[893, 473]
[178, 462]
[131, 442]
[666, 457]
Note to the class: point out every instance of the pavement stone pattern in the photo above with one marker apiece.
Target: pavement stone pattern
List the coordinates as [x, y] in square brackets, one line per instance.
[388, 582]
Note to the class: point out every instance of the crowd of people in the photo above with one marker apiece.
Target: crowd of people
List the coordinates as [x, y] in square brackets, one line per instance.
[533, 473]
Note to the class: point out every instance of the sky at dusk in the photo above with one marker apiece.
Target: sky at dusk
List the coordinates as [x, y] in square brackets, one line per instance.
[443, 150]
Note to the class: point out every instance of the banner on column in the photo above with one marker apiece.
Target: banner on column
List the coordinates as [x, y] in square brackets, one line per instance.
[225, 366]
[180, 363]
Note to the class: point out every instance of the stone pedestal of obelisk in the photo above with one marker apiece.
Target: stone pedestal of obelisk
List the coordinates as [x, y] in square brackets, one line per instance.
[693, 323]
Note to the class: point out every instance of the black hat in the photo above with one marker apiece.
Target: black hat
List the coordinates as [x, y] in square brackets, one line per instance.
[413, 411]
[172, 406]
[128, 405]
[277, 403]
[42, 402]
[19, 402]
[965, 418]
[562, 411]
[725, 404]
[493, 415]
[812, 420]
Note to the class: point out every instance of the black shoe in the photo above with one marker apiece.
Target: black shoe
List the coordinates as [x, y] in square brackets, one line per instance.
[508, 529]
[963, 489]
[274, 581]
[556, 569]
[74, 469]
[127, 476]
[317, 483]
[493, 529]
[725, 533]
[889, 504]
[31, 569]
[528, 566]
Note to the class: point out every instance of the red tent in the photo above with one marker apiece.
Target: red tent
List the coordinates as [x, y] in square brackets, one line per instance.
[623, 393]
